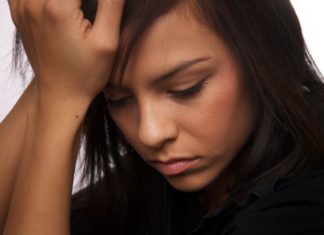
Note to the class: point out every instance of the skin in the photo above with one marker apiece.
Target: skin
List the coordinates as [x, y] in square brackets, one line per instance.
[71, 67]
[212, 125]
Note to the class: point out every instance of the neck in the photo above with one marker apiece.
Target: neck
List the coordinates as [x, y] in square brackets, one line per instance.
[214, 195]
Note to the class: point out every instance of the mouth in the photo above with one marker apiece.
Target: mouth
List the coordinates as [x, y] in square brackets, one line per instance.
[175, 166]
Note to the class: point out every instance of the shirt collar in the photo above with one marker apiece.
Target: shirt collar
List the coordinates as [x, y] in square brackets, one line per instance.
[195, 215]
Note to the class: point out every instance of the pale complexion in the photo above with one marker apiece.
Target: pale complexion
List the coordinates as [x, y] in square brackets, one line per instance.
[201, 116]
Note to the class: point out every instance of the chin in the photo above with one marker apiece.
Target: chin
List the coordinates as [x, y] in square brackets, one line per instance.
[188, 183]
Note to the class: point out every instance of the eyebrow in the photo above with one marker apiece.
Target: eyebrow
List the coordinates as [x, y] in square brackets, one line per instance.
[168, 75]
[179, 68]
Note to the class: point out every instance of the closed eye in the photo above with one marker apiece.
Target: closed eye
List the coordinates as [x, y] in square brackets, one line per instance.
[189, 92]
[179, 94]
[115, 103]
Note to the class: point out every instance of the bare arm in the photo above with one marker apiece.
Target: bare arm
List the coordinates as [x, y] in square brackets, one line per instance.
[72, 65]
[41, 197]
[12, 132]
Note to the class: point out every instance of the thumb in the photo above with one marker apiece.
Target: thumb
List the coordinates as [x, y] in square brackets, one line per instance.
[106, 27]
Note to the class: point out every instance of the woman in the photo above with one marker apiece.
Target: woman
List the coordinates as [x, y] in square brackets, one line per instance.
[198, 117]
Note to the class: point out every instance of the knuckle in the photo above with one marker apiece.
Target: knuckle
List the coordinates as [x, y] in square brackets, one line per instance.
[53, 10]
[104, 47]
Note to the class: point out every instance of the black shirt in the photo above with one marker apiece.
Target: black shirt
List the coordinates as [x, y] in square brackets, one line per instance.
[284, 206]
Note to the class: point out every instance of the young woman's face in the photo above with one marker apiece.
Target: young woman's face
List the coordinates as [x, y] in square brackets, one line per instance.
[183, 104]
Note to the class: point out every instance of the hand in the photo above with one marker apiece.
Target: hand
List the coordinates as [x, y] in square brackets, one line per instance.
[70, 56]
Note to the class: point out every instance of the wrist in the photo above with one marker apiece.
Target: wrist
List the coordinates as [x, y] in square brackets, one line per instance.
[54, 119]
[59, 105]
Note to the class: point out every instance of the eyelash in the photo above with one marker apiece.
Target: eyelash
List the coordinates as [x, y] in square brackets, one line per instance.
[189, 92]
[117, 103]
[181, 94]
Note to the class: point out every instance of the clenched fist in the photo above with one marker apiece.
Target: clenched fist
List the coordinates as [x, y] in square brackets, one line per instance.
[70, 56]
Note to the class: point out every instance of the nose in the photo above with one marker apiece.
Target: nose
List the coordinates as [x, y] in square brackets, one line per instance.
[156, 126]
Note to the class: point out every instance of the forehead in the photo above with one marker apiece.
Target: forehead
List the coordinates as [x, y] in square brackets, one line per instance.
[173, 38]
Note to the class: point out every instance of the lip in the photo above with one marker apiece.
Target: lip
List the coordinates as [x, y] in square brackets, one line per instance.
[174, 166]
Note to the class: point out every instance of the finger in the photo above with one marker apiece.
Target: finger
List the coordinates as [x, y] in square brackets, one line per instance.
[27, 10]
[60, 9]
[107, 23]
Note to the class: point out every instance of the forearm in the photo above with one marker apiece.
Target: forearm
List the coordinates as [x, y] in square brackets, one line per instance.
[72, 66]
[12, 135]
[41, 197]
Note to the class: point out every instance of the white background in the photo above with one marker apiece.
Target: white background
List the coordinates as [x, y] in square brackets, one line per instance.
[310, 13]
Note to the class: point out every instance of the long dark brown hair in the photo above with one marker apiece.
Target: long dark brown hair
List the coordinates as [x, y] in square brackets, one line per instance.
[125, 195]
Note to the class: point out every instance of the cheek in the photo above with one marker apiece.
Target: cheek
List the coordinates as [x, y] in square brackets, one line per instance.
[223, 119]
